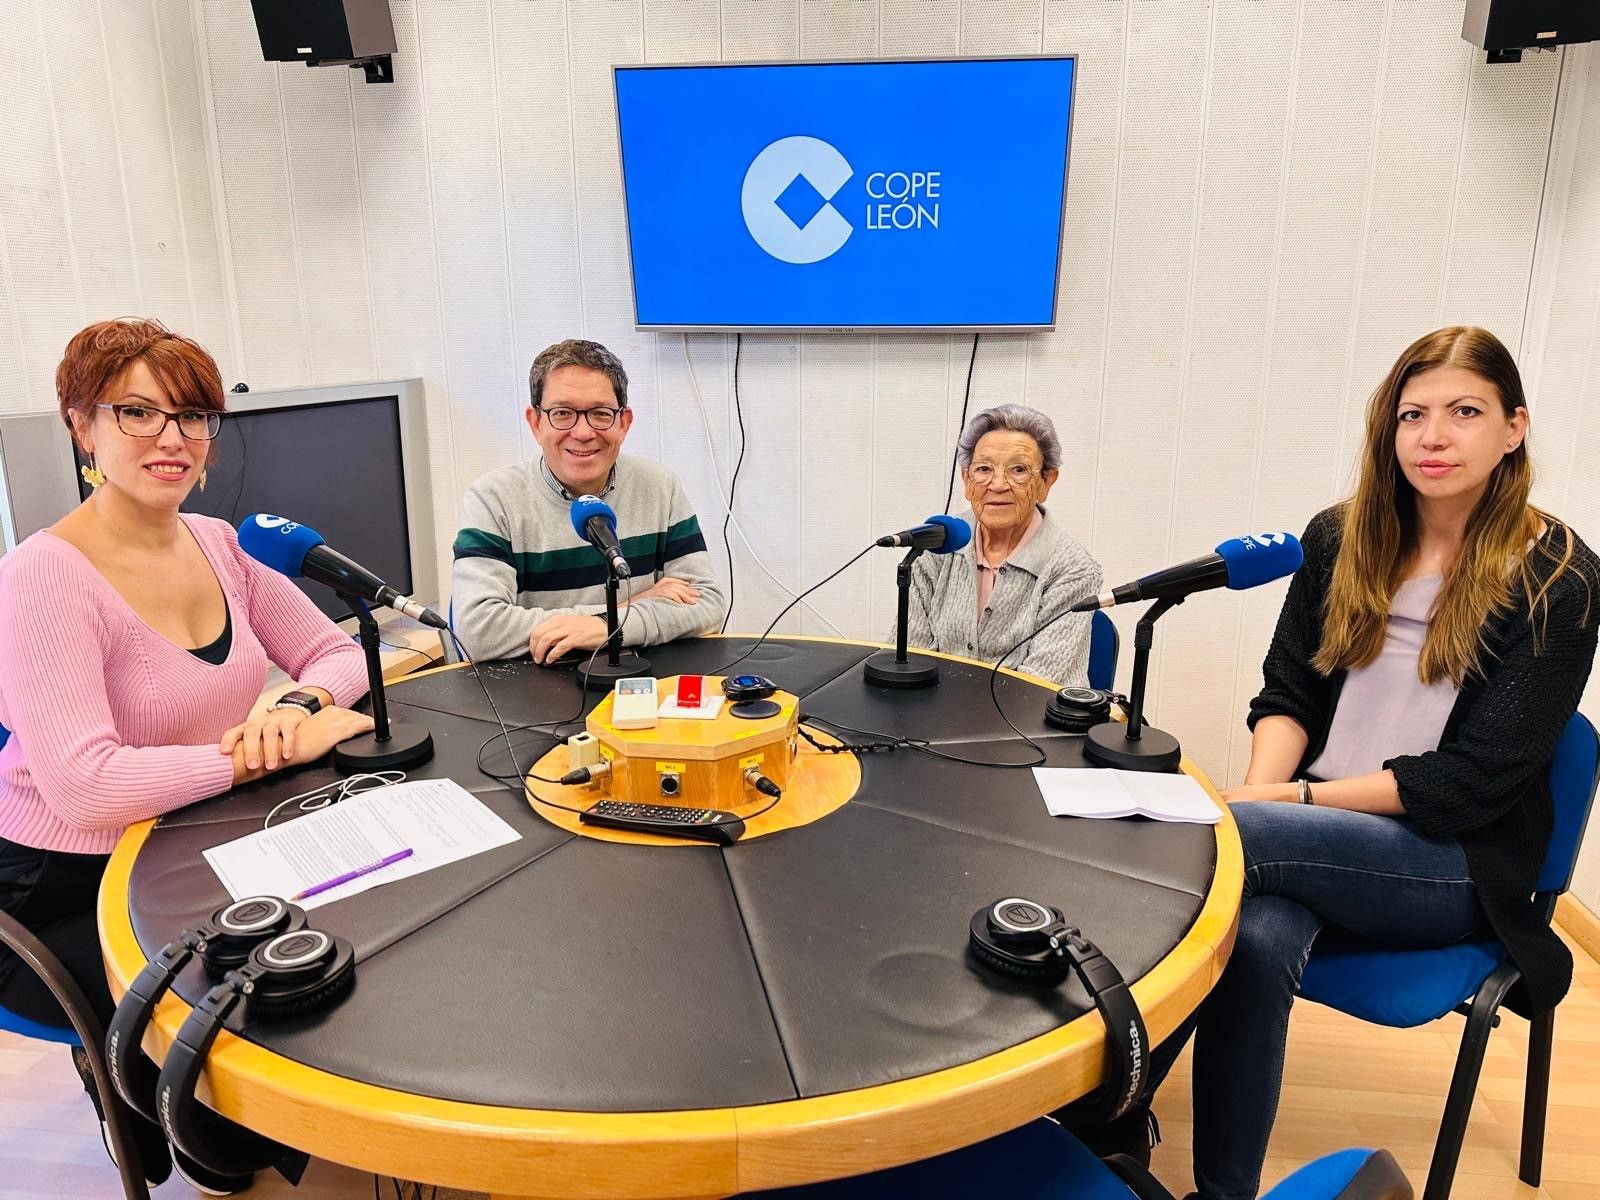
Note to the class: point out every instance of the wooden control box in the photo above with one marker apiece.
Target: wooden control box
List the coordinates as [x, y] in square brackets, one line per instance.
[699, 763]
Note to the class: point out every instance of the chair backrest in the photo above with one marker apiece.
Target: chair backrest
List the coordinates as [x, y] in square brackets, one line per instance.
[36, 957]
[1574, 773]
[5, 736]
[1103, 644]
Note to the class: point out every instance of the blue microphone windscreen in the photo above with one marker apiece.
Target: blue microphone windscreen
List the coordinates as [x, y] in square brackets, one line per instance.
[584, 508]
[957, 533]
[278, 542]
[1259, 558]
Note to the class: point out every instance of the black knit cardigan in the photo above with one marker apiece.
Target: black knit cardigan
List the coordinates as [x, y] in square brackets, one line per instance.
[1488, 783]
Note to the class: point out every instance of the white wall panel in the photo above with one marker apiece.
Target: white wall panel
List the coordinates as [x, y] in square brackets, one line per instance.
[1066, 368]
[1306, 389]
[1412, 187]
[461, 109]
[105, 203]
[262, 235]
[1566, 319]
[1166, 64]
[155, 213]
[325, 192]
[767, 505]
[835, 397]
[391, 149]
[1499, 177]
[536, 157]
[40, 262]
[1266, 203]
[94, 194]
[916, 378]
[213, 324]
[1250, 94]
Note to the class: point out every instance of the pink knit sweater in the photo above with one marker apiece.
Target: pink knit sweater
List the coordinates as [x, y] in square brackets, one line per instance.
[110, 722]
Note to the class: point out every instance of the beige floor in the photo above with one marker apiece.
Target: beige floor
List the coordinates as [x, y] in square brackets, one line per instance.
[1346, 1084]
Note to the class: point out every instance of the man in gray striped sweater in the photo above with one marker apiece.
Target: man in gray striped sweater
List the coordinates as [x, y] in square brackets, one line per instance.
[524, 582]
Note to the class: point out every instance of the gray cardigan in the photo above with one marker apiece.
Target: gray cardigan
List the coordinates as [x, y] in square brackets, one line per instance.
[1037, 582]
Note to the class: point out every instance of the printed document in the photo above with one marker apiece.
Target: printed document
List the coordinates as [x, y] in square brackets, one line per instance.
[437, 819]
[1096, 792]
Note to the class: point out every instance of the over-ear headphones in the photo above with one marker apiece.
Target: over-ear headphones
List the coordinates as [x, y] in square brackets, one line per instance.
[1078, 710]
[289, 975]
[1032, 942]
[223, 941]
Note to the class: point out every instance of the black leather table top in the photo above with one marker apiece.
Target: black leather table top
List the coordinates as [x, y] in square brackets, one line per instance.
[569, 973]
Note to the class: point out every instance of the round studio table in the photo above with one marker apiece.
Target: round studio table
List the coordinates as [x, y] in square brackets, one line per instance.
[570, 1016]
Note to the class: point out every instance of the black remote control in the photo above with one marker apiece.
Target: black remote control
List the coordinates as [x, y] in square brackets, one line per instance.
[669, 820]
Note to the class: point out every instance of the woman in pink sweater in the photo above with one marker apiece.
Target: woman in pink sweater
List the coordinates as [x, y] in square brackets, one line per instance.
[134, 640]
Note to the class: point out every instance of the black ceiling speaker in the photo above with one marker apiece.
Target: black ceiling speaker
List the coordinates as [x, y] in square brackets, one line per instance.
[1505, 28]
[354, 33]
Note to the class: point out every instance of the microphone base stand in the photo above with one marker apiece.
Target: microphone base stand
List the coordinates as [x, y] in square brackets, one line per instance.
[900, 670]
[602, 673]
[1136, 746]
[391, 745]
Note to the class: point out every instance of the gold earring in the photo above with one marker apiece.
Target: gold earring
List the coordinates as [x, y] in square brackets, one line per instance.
[202, 479]
[92, 475]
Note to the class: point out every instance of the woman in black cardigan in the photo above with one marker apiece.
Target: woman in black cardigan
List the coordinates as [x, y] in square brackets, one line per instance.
[1427, 658]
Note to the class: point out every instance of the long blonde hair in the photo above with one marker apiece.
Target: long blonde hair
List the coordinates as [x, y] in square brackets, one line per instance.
[1380, 530]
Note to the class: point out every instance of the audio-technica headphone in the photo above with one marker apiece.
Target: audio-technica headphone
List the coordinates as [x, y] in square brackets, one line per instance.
[1032, 942]
[223, 941]
[1078, 710]
[291, 974]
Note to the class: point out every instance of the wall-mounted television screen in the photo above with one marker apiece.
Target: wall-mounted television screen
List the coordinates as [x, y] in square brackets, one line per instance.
[904, 194]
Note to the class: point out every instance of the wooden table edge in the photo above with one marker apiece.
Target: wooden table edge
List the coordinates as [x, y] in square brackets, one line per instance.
[691, 1153]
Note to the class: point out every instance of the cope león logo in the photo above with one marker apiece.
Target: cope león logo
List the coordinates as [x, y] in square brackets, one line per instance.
[787, 199]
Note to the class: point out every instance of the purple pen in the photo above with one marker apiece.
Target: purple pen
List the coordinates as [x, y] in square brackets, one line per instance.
[356, 874]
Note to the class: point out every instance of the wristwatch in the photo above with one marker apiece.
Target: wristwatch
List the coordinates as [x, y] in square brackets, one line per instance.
[301, 700]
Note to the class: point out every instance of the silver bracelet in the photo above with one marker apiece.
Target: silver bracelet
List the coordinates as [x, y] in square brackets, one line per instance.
[1305, 792]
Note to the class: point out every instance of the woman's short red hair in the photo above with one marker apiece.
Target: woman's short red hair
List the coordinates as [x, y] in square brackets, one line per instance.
[97, 356]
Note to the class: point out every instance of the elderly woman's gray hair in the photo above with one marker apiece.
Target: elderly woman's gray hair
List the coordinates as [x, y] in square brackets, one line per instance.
[1018, 418]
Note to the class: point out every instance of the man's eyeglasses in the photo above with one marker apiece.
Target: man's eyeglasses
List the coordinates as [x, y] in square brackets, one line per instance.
[566, 418]
[1016, 475]
[144, 421]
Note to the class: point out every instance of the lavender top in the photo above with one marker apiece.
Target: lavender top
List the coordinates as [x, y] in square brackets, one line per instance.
[1384, 709]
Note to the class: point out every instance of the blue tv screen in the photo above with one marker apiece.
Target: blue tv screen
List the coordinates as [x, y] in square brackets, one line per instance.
[846, 195]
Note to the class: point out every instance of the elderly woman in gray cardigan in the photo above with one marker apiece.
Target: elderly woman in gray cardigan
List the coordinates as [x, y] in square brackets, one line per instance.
[1021, 567]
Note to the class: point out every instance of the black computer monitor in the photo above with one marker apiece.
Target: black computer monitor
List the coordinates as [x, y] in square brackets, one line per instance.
[337, 467]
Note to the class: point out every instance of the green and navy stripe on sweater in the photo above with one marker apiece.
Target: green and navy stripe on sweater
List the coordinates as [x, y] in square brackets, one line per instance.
[575, 567]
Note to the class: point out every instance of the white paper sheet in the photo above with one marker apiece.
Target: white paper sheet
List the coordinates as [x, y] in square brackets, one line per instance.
[438, 819]
[1095, 792]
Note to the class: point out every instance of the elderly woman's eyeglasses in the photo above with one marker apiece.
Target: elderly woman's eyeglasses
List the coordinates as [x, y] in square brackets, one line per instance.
[1016, 475]
[145, 421]
[567, 418]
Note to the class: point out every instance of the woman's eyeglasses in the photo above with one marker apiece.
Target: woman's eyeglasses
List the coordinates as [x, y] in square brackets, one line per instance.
[144, 421]
[1016, 475]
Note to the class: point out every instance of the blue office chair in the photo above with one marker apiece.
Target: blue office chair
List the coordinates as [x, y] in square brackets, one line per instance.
[1104, 641]
[86, 1031]
[1042, 1161]
[1403, 988]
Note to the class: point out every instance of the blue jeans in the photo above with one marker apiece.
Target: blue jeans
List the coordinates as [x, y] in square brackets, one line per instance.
[1305, 868]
